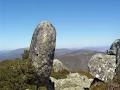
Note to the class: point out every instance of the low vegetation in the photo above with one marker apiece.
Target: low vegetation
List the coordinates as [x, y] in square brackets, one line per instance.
[111, 85]
[86, 73]
[20, 75]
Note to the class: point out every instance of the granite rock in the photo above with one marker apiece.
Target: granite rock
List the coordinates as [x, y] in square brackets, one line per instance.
[103, 66]
[41, 53]
[74, 81]
[58, 66]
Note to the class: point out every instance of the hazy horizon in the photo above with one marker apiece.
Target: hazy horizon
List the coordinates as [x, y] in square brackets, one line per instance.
[79, 23]
[77, 48]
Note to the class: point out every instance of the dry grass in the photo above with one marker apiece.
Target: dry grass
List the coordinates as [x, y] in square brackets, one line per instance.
[112, 85]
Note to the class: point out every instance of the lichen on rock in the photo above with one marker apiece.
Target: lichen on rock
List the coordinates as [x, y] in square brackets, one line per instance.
[103, 66]
[42, 50]
[58, 66]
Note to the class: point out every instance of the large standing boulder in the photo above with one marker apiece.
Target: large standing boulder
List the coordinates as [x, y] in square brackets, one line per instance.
[103, 66]
[42, 50]
[114, 47]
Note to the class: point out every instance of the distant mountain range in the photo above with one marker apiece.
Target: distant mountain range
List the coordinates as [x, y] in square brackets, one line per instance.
[78, 60]
[17, 53]
[12, 54]
[74, 59]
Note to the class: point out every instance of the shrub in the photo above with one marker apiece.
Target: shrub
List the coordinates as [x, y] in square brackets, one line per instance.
[25, 55]
[59, 75]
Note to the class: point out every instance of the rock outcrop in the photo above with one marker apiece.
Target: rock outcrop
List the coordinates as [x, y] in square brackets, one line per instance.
[115, 50]
[58, 66]
[74, 81]
[42, 51]
[103, 66]
[114, 47]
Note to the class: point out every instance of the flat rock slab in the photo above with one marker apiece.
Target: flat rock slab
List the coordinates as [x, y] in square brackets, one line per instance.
[102, 66]
[74, 81]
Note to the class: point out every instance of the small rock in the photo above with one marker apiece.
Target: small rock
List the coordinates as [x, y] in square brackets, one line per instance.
[58, 66]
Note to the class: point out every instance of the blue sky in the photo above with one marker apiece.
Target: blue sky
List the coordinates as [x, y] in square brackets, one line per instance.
[79, 23]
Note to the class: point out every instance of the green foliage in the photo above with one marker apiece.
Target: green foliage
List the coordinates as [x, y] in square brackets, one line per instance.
[20, 74]
[86, 73]
[25, 55]
[59, 75]
[11, 75]
[17, 75]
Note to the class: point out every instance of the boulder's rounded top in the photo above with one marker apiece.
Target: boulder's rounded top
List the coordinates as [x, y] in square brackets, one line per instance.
[45, 24]
[117, 40]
